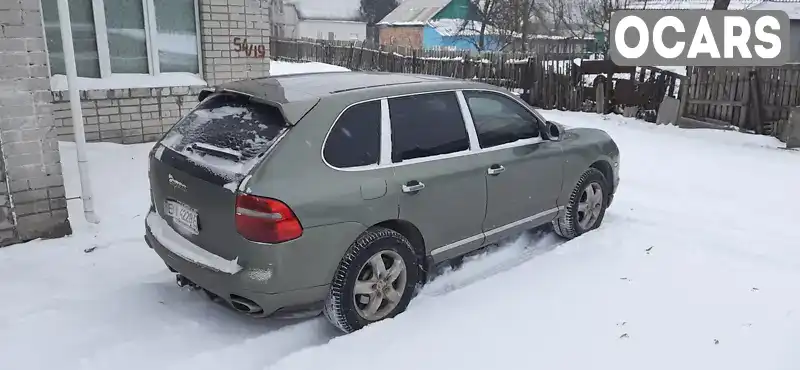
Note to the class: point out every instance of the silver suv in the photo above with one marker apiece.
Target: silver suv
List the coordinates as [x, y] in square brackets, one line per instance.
[337, 192]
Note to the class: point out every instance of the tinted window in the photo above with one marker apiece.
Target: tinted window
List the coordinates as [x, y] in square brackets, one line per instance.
[426, 125]
[227, 126]
[355, 139]
[499, 120]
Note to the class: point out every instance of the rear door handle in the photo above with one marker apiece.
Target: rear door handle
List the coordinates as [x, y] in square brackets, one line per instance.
[413, 186]
[495, 169]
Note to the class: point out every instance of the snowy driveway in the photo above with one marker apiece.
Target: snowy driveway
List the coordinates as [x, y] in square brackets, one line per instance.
[697, 266]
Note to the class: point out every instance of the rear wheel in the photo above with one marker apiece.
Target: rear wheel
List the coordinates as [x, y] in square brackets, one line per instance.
[586, 207]
[375, 280]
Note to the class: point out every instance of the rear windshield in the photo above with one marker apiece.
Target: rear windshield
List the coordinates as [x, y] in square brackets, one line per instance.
[230, 124]
[226, 133]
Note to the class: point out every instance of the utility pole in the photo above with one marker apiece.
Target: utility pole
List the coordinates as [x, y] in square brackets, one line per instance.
[77, 114]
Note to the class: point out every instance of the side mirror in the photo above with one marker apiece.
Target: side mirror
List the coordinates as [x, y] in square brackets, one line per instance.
[554, 130]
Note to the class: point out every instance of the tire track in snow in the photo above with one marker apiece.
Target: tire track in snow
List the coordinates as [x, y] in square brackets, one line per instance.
[261, 351]
[493, 261]
[477, 267]
[265, 350]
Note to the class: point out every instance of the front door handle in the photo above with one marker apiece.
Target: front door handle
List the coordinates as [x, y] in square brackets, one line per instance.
[495, 169]
[413, 186]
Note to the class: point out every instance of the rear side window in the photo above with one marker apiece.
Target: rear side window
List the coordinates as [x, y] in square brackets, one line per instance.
[355, 139]
[426, 125]
[228, 127]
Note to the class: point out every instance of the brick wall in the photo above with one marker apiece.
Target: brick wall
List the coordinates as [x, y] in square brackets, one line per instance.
[125, 115]
[235, 38]
[407, 36]
[32, 201]
[33, 118]
[144, 114]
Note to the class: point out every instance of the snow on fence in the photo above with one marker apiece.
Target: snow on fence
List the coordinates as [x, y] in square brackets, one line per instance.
[749, 99]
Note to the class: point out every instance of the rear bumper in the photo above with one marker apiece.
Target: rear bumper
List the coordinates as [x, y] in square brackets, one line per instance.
[244, 283]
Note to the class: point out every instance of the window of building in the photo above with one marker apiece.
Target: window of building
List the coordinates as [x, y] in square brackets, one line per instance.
[117, 37]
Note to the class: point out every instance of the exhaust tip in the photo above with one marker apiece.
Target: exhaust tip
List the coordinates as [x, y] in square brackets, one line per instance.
[245, 305]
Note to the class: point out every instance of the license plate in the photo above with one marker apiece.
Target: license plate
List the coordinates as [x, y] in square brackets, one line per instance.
[182, 215]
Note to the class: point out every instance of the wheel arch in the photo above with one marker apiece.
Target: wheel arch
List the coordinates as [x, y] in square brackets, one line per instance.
[605, 168]
[412, 233]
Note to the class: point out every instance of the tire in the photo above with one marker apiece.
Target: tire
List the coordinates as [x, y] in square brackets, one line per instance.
[341, 306]
[573, 223]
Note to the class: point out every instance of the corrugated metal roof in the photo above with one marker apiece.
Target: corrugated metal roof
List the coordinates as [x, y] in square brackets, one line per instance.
[792, 8]
[688, 4]
[414, 12]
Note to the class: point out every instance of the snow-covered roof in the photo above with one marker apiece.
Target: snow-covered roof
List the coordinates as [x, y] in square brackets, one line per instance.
[337, 10]
[792, 8]
[688, 4]
[451, 27]
[414, 12]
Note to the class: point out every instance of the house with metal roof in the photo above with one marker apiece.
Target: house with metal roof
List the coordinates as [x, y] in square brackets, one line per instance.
[439, 24]
[324, 19]
[456, 24]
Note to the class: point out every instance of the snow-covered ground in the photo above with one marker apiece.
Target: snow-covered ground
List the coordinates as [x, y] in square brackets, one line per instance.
[697, 266]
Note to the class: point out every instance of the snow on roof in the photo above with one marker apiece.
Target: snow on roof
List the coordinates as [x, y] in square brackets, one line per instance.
[792, 8]
[688, 4]
[414, 12]
[339, 10]
[451, 27]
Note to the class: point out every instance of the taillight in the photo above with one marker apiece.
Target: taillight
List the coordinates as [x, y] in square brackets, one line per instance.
[265, 220]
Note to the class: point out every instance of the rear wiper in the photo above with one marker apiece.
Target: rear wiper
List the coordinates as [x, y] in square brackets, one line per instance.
[216, 151]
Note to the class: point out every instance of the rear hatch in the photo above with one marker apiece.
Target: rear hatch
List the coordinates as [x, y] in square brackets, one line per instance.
[197, 166]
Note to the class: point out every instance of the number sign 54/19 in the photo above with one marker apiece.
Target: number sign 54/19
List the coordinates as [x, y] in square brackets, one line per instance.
[250, 50]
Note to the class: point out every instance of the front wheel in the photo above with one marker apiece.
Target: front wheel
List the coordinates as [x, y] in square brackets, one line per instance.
[375, 280]
[586, 207]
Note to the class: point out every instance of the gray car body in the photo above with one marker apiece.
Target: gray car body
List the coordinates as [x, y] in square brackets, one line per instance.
[461, 208]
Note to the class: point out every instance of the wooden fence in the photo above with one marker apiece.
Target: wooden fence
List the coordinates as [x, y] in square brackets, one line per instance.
[513, 71]
[753, 99]
[549, 81]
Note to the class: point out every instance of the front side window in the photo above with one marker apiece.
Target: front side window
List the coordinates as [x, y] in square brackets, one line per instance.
[355, 139]
[499, 120]
[426, 125]
[125, 36]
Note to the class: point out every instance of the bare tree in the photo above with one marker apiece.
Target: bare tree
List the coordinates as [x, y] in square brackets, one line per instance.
[372, 11]
[518, 15]
[507, 22]
[588, 17]
[475, 30]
